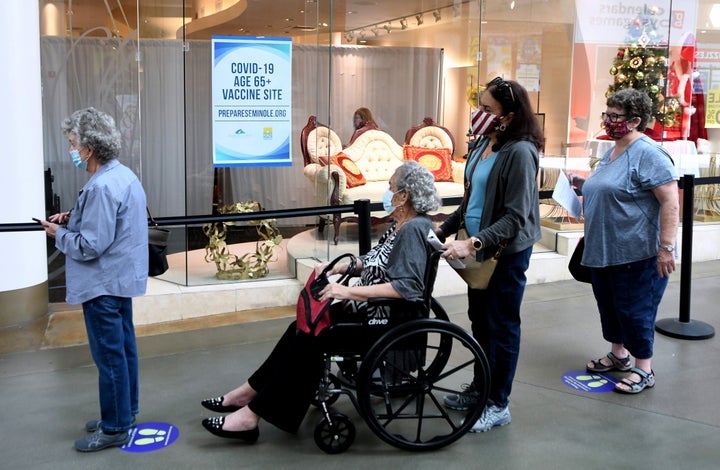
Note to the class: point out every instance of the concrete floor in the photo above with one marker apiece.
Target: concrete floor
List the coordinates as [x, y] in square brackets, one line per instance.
[47, 395]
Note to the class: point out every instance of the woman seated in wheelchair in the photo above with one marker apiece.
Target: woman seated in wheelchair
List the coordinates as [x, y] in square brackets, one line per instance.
[281, 390]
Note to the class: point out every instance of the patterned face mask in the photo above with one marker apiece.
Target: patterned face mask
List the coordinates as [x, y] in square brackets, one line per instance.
[617, 130]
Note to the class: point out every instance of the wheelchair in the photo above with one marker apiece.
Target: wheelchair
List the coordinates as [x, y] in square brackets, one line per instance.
[397, 385]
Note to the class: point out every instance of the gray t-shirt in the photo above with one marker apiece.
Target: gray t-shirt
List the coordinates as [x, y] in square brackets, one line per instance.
[399, 258]
[622, 214]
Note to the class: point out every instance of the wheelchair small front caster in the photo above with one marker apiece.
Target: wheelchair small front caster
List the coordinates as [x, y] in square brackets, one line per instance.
[335, 435]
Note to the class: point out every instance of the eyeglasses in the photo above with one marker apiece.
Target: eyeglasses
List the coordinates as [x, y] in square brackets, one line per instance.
[612, 117]
[503, 86]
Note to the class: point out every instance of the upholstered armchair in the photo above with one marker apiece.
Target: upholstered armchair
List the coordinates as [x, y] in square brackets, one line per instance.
[430, 135]
[362, 170]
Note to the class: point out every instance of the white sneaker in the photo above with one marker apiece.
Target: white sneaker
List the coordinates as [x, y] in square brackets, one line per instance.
[491, 417]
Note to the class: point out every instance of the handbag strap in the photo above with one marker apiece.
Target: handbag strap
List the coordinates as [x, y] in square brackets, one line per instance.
[501, 246]
[152, 220]
[344, 278]
[477, 151]
[480, 147]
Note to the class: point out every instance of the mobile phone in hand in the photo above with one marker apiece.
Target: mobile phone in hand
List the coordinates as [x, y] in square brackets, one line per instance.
[37, 220]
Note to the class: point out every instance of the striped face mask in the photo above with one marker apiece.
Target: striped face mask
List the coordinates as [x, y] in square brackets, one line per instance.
[483, 123]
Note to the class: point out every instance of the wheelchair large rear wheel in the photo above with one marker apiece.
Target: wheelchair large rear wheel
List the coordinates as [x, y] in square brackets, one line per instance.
[406, 374]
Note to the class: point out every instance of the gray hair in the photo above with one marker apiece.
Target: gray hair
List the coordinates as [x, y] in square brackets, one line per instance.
[96, 130]
[634, 103]
[420, 186]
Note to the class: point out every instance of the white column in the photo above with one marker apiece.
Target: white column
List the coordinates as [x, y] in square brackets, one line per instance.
[23, 277]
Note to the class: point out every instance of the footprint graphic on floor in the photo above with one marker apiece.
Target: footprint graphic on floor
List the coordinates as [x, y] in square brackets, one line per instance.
[592, 381]
[153, 436]
[149, 437]
[583, 381]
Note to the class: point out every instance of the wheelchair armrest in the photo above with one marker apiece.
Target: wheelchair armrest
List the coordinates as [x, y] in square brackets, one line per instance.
[384, 301]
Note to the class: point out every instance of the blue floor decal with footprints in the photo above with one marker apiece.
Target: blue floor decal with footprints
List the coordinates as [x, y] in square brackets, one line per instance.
[148, 437]
[592, 382]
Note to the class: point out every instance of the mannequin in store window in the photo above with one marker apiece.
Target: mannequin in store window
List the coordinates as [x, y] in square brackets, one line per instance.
[684, 83]
[363, 120]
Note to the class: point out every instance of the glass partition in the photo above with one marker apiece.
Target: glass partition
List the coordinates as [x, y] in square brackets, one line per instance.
[411, 64]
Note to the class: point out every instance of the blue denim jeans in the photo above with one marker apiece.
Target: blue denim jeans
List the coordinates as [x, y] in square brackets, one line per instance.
[111, 335]
[628, 296]
[495, 317]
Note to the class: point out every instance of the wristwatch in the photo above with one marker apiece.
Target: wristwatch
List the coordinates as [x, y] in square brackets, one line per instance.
[668, 248]
[476, 243]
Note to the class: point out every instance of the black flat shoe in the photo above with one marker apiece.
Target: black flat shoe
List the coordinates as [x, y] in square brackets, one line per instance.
[214, 425]
[215, 404]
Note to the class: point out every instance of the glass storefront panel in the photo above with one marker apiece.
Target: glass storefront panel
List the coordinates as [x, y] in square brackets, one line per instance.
[149, 64]
[658, 48]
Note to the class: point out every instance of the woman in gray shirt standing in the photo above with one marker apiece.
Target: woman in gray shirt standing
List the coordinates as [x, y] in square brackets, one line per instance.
[631, 221]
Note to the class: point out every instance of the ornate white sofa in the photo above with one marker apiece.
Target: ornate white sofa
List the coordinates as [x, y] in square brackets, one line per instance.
[374, 156]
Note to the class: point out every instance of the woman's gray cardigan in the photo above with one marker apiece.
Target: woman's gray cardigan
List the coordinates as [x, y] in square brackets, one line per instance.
[512, 206]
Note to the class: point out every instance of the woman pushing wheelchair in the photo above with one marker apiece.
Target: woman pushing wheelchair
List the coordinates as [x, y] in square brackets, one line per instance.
[393, 269]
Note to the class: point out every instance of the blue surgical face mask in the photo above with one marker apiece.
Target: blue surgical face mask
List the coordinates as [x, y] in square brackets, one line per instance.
[77, 159]
[387, 201]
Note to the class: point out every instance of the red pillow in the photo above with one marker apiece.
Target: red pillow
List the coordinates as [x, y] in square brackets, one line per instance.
[437, 160]
[352, 173]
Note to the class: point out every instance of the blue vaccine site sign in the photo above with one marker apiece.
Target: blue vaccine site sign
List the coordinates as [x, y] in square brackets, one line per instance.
[148, 437]
[251, 101]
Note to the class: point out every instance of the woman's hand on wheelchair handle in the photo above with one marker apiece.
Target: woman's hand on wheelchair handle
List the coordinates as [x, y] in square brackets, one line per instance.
[457, 249]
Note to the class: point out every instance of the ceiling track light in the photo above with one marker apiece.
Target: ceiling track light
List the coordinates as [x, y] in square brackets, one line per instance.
[376, 29]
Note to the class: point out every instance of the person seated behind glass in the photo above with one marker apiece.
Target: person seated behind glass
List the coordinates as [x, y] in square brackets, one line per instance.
[282, 388]
[363, 120]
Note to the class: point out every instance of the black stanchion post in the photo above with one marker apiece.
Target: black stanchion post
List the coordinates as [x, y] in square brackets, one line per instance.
[362, 209]
[684, 328]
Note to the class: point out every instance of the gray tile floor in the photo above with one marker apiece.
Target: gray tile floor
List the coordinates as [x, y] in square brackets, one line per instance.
[47, 396]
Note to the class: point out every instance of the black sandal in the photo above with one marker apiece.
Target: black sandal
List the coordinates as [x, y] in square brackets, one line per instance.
[620, 365]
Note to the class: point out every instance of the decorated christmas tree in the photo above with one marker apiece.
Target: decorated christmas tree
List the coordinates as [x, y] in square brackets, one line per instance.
[643, 64]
